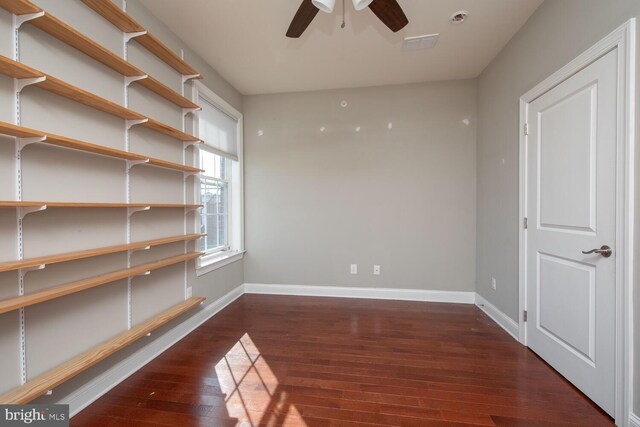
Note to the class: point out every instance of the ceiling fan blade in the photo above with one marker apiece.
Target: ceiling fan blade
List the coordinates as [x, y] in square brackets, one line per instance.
[305, 14]
[390, 13]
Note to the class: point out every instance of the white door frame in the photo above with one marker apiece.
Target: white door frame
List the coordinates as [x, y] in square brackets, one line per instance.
[623, 39]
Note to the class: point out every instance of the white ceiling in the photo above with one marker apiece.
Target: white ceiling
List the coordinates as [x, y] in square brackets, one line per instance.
[244, 40]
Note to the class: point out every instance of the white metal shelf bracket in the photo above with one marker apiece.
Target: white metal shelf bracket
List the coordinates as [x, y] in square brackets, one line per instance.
[146, 273]
[23, 142]
[186, 111]
[130, 79]
[187, 77]
[25, 270]
[132, 163]
[131, 211]
[26, 210]
[133, 35]
[132, 123]
[188, 144]
[21, 19]
[146, 248]
[22, 83]
[187, 174]
[191, 209]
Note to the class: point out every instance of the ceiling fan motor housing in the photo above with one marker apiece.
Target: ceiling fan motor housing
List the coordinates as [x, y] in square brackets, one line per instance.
[388, 11]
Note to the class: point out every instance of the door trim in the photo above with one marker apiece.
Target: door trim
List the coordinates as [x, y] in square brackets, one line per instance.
[623, 38]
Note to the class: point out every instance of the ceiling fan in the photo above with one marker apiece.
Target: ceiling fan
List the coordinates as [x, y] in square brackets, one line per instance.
[388, 11]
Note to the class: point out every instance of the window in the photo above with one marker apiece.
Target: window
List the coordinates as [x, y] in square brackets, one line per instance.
[220, 127]
[214, 195]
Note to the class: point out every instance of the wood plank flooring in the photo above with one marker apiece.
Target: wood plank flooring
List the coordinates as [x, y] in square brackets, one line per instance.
[330, 362]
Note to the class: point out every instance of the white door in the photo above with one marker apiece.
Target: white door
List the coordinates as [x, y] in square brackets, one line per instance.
[571, 208]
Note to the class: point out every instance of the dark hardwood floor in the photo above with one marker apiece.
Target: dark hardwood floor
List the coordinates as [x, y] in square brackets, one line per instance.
[299, 361]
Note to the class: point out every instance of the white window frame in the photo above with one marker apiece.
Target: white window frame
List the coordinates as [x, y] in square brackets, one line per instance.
[208, 263]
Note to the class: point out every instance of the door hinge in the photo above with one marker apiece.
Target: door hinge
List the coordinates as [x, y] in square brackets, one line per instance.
[526, 223]
[525, 316]
[526, 128]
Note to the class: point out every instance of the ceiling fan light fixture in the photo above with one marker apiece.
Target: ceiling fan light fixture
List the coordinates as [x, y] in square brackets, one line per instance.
[361, 4]
[324, 5]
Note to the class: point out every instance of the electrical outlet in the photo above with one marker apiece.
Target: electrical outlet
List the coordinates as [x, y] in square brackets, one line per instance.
[189, 292]
[494, 285]
[354, 268]
[376, 270]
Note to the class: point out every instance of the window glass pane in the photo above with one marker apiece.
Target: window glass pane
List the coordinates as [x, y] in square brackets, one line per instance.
[213, 165]
[214, 195]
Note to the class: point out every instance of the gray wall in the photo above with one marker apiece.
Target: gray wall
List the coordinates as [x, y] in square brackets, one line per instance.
[403, 198]
[556, 33]
[60, 329]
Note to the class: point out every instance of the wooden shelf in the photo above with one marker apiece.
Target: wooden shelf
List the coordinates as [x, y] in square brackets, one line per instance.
[175, 166]
[16, 204]
[61, 141]
[74, 93]
[54, 292]
[14, 69]
[112, 13]
[166, 92]
[17, 70]
[19, 7]
[19, 131]
[159, 49]
[49, 380]
[73, 256]
[73, 38]
[169, 131]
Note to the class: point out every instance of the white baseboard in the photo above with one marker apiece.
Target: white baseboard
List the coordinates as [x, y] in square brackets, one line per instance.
[355, 292]
[507, 323]
[88, 393]
[634, 420]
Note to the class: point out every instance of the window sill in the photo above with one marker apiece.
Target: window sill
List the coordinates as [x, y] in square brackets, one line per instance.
[213, 262]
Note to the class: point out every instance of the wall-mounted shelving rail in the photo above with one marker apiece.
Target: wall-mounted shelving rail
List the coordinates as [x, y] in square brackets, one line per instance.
[29, 12]
[47, 381]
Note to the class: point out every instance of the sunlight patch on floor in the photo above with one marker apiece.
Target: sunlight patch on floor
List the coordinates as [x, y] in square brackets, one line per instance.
[253, 393]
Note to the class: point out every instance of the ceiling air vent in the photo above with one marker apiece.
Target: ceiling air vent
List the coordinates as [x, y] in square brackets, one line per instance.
[420, 42]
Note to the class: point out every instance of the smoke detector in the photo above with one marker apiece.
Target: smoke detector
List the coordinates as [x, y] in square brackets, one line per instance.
[426, 41]
[458, 17]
